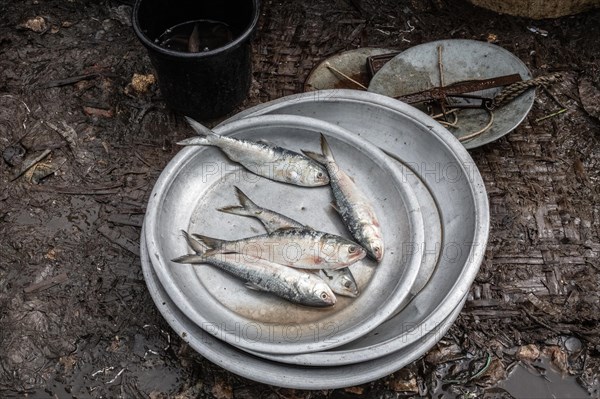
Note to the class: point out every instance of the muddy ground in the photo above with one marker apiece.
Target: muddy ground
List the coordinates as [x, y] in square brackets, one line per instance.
[76, 319]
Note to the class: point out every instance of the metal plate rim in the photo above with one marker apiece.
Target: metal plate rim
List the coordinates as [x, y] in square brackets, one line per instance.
[273, 373]
[526, 74]
[153, 232]
[476, 253]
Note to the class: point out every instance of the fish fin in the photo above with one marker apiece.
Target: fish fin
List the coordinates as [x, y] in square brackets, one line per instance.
[213, 243]
[194, 41]
[246, 202]
[335, 207]
[254, 287]
[315, 156]
[200, 129]
[325, 149]
[326, 273]
[196, 245]
[247, 205]
[212, 252]
[192, 259]
[234, 210]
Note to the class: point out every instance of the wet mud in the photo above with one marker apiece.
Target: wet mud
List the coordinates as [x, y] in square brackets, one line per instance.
[84, 134]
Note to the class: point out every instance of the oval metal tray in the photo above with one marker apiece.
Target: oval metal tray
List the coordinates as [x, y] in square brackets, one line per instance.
[417, 69]
[431, 153]
[273, 373]
[201, 179]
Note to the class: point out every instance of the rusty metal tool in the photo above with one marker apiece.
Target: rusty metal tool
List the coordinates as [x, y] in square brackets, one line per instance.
[459, 90]
[376, 62]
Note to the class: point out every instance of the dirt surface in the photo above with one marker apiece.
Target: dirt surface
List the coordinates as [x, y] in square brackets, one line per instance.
[76, 319]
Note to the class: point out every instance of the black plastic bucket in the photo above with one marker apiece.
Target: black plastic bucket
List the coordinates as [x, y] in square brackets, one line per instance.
[205, 84]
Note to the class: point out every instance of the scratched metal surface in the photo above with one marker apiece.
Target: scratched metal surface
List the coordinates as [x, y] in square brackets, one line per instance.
[430, 153]
[201, 179]
[416, 69]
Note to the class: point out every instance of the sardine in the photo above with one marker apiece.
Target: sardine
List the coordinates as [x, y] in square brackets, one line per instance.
[299, 248]
[353, 206]
[341, 281]
[292, 284]
[270, 219]
[270, 161]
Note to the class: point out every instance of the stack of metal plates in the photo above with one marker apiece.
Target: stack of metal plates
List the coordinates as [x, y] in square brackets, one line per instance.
[433, 209]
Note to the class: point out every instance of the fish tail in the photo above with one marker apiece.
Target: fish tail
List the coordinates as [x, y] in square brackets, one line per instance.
[244, 200]
[199, 128]
[315, 156]
[325, 149]
[192, 259]
[245, 208]
[206, 136]
[214, 244]
[323, 158]
[196, 245]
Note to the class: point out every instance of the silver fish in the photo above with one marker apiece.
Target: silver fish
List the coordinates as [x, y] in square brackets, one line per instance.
[292, 284]
[267, 160]
[354, 207]
[341, 281]
[299, 248]
[270, 219]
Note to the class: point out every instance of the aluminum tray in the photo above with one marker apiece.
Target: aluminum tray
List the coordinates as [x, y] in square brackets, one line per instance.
[435, 156]
[416, 69]
[200, 179]
[273, 373]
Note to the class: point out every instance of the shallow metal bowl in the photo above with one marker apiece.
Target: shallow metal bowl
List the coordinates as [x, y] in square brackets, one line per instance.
[417, 69]
[352, 63]
[284, 375]
[200, 179]
[437, 158]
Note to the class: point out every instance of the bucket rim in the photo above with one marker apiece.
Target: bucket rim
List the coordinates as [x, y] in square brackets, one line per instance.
[240, 40]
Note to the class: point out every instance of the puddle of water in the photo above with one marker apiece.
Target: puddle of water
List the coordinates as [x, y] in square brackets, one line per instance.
[524, 384]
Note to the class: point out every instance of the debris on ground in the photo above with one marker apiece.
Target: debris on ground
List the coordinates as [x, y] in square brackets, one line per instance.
[76, 317]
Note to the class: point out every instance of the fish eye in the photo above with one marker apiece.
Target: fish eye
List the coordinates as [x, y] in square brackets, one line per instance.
[319, 175]
[324, 295]
[352, 249]
[347, 283]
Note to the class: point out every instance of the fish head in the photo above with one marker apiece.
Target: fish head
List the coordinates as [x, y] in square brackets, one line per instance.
[339, 252]
[341, 282]
[322, 295]
[314, 175]
[351, 252]
[375, 248]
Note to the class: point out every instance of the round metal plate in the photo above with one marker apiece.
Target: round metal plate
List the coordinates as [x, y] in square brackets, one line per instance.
[417, 69]
[273, 373]
[201, 179]
[434, 230]
[352, 63]
[431, 153]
